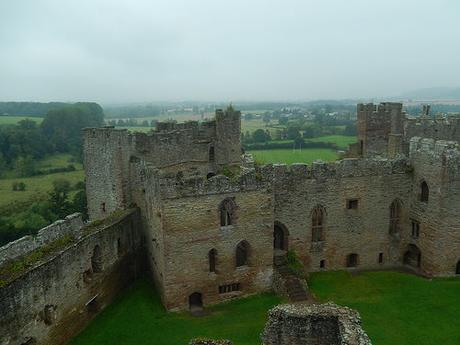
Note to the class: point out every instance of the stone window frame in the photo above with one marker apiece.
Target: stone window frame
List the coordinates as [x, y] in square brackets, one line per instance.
[352, 204]
[318, 223]
[424, 191]
[395, 216]
[415, 226]
[227, 288]
[227, 212]
[242, 248]
[212, 261]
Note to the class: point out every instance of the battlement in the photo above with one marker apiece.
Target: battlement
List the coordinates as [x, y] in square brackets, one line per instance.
[169, 186]
[441, 153]
[382, 108]
[345, 168]
[70, 226]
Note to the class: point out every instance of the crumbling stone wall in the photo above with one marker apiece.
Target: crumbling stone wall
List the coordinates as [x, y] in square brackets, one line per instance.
[320, 324]
[191, 148]
[438, 164]
[53, 299]
[186, 226]
[374, 183]
[71, 225]
[385, 130]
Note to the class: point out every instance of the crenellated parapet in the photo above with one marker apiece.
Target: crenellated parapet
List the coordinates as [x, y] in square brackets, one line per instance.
[171, 186]
[345, 168]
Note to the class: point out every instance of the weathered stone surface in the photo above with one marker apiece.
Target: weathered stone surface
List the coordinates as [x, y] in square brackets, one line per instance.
[209, 342]
[56, 296]
[320, 324]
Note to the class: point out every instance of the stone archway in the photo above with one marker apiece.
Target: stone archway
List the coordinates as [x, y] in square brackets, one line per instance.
[412, 256]
[280, 237]
[195, 301]
[457, 269]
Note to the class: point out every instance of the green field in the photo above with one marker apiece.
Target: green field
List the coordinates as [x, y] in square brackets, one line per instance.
[342, 141]
[138, 317]
[397, 308]
[12, 120]
[289, 156]
[39, 185]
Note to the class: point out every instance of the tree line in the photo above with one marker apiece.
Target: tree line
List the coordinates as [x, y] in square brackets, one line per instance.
[21, 145]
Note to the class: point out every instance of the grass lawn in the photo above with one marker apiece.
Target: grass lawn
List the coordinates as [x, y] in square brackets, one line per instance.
[289, 156]
[342, 141]
[138, 317]
[12, 120]
[41, 184]
[397, 308]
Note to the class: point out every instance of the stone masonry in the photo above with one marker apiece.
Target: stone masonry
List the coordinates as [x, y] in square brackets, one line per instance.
[357, 213]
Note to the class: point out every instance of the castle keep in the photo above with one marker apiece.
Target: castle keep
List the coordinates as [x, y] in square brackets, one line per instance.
[210, 223]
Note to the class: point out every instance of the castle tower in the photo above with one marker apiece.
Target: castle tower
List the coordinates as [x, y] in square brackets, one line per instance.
[395, 138]
[228, 141]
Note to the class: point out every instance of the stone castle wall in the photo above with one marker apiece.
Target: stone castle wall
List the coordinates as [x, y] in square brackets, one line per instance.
[71, 226]
[53, 298]
[438, 164]
[375, 184]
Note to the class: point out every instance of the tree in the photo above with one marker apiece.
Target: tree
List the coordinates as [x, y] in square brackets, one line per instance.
[260, 136]
[293, 132]
[25, 166]
[59, 203]
[283, 121]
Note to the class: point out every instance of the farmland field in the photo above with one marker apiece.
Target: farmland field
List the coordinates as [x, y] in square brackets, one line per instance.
[12, 120]
[289, 156]
[41, 184]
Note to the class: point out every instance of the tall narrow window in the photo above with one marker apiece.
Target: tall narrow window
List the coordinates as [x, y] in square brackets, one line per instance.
[242, 254]
[395, 214]
[424, 192]
[212, 257]
[227, 209]
[212, 155]
[317, 224]
[415, 228]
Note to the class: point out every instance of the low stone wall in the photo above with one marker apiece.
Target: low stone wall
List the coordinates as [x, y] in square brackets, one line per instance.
[53, 298]
[71, 225]
[209, 342]
[321, 324]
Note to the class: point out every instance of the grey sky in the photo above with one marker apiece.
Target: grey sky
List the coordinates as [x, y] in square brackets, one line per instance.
[148, 50]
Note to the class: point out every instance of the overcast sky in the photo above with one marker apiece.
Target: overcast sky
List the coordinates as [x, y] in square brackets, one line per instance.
[150, 50]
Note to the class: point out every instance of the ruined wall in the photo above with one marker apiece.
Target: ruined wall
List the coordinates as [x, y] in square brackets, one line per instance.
[438, 164]
[447, 128]
[106, 161]
[190, 227]
[375, 184]
[71, 225]
[322, 324]
[191, 148]
[53, 298]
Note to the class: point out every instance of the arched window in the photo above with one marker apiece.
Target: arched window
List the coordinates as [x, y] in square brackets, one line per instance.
[212, 257]
[242, 253]
[227, 210]
[317, 224]
[352, 260]
[424, 192]
[280, 237]
[119, 249]
[395, 214]
[96, 259]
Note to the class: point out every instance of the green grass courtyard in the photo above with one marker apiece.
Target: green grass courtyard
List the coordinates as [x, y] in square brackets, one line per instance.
[396, 308]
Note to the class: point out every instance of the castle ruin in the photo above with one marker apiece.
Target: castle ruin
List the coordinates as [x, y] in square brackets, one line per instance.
[210, 224]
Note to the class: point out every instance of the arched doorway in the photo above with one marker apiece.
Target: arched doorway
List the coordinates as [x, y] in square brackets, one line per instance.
[280, 237]
[352, 260]
[413, 256]
[195, 301]
[457, 269]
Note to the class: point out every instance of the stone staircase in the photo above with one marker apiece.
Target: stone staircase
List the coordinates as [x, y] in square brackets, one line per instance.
[293, 286]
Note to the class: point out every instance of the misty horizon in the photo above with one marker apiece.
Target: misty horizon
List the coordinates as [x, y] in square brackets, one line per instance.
[138, 51]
